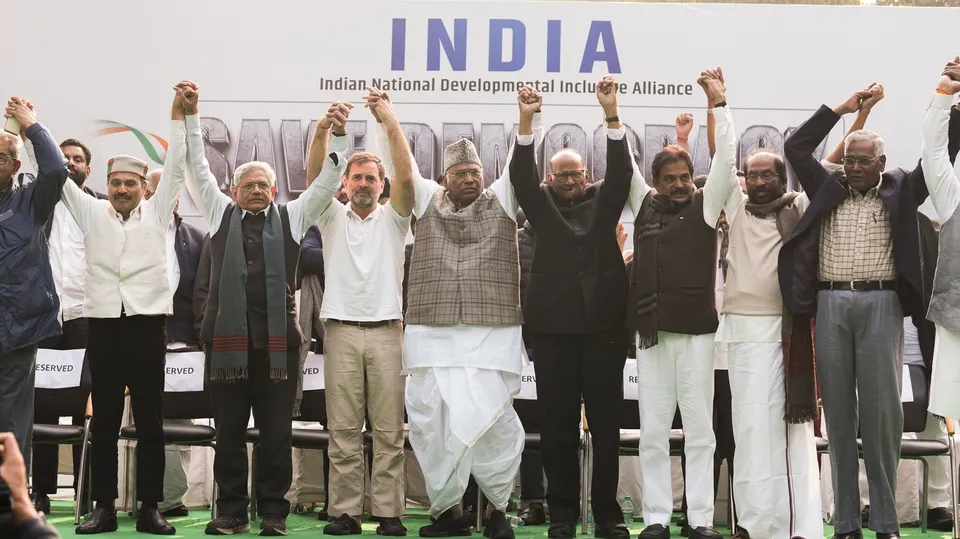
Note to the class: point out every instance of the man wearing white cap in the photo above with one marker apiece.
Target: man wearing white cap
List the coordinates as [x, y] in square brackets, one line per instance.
[463, 343]
[127, 301]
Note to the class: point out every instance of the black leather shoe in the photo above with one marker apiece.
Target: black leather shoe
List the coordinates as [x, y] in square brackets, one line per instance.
[684, 525]
[227, 525]
[446, 525]
[655, 531]
[497, 527]
[343, 525]
[562, 530]
[391, 527]
[741, 534]
[938, 518]
[178, 511]
[612, 530]
[100, 521]
[152, 522]
[273, 526]
[533, 514]
[865, 516]
[704, 532]
[41, 502]
[849, 535]
[888, 535]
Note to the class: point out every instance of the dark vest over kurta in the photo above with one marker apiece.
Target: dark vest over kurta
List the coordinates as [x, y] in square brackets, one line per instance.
[687, 272]
[464, 268]
[252, 228]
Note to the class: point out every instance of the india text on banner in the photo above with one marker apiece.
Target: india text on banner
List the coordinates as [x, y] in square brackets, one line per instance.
[58, 369]
[183, 372]
[313, 372]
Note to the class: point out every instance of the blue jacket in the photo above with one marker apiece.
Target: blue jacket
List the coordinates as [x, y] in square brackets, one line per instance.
[28, 299]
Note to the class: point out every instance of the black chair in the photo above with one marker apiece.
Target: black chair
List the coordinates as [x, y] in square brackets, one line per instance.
[313, 407]
[915, 420]
[68, 402]
[181, 405]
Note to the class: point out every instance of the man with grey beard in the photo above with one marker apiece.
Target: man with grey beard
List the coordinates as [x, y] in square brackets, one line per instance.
[363, 243]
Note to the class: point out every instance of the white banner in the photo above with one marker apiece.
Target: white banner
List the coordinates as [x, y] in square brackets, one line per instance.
[183, 372]
[58, 369]
[630, 385]
[452, 69]
[313, 372]
[528, 383]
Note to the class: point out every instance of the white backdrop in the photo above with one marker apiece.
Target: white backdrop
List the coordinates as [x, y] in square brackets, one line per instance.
[116, 61]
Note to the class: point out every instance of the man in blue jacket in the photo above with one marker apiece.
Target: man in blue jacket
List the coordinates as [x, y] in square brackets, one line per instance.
[28, 299]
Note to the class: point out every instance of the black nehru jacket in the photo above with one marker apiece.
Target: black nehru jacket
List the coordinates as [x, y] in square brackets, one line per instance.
[252, 228]
[578, 283]
[188, 246]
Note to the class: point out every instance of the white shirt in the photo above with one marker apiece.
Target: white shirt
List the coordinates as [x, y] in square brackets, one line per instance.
[126, 260]
[67, 256]
[173, 263]
[937, 170]
[212, 202]
[362, 258]
[722, 192]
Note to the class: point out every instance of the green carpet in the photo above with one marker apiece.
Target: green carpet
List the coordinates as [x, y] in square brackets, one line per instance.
[308, 526]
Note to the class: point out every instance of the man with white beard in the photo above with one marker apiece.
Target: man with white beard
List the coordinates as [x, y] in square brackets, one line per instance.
[463, 343]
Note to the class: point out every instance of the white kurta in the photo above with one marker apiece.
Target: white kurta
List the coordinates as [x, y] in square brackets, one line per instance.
[776, 477]
[463, 379]
[945, 194]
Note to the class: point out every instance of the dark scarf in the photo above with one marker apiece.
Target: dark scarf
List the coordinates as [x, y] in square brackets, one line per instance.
[228, 361]
[797, 337]
[649, 226]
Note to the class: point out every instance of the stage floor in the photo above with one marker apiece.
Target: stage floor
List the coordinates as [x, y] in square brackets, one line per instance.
[308, 525]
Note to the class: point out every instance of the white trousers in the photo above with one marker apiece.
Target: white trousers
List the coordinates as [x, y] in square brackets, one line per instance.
[776, 482]
[678, 370]
[462, 422]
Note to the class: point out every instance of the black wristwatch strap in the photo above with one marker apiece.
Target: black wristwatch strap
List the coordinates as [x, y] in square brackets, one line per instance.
[613, 119]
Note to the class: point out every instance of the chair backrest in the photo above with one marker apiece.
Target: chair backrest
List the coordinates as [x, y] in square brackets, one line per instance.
[915, 411]
[185, 394]
[313, 407]
[65, 401]
[529, 413]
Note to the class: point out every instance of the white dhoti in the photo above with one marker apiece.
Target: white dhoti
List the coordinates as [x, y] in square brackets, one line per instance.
[677, 371]
[945, 383]
[459, 400]
[776, 482]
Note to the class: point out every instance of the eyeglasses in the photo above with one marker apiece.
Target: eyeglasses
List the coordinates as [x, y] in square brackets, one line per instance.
[463, 174]
[568, 175]
[129, 184]
[767, 175]
[249, 187]
[862, 161]
[4, 158]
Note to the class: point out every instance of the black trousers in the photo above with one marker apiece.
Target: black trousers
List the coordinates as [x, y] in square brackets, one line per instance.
[46, 457]
[722, 430]
[127, 352]
[568, 366]
[272, 403]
